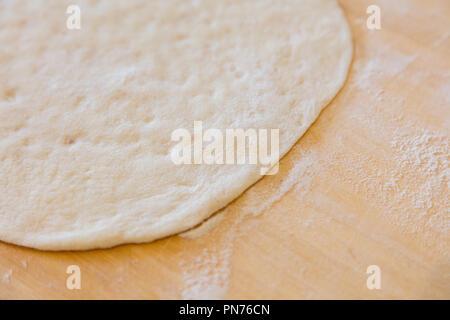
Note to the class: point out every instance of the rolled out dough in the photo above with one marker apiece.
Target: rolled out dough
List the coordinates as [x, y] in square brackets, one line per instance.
[87, 115]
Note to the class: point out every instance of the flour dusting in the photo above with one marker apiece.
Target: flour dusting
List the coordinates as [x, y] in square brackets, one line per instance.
[206, 277]
[7, 276]
[403, 171]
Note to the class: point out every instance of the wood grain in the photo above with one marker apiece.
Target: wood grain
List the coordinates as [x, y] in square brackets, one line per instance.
[366, 185]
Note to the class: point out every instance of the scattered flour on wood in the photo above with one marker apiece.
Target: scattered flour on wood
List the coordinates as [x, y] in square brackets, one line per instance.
[25, 263]
[414, 154]
[386, 63]
[411, 183]
[7, 276]
[206, 277]
[441, 39]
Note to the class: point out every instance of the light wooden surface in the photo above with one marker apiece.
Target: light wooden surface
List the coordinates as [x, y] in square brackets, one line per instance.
[367, 185]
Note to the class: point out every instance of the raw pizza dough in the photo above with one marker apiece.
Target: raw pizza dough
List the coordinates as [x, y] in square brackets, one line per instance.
[87, 115]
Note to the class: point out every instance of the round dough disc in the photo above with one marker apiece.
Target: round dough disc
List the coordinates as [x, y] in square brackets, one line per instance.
[87, 114]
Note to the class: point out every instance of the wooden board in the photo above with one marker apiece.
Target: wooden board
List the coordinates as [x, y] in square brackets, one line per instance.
[367, 185]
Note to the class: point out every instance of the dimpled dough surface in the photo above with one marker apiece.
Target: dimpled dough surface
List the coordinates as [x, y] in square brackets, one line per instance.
[87, 115]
